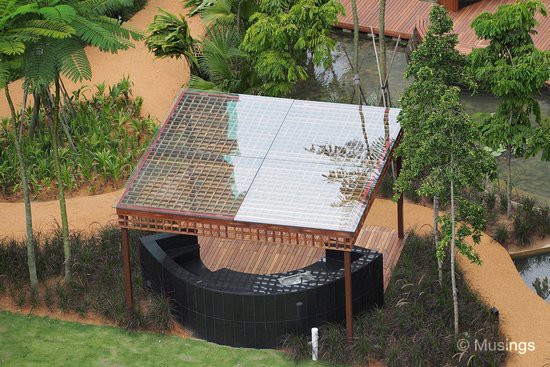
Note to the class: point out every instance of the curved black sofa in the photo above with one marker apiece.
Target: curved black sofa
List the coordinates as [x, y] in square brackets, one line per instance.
[255, 310]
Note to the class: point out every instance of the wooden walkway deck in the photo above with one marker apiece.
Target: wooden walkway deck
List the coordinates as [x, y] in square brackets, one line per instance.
[463, 19]
[262, 258]
[403, 16]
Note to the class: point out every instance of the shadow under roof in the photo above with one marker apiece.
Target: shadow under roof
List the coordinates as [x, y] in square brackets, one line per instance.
[271, 161]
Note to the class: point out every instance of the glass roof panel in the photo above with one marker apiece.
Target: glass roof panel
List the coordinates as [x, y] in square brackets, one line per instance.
[333, 133]
[265, 160]
[202, 183]
[224, 123]
[309, 195]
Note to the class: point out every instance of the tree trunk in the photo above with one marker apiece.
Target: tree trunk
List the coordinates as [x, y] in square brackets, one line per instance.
[453, 275]
[436, 240]
[31, 259]
[509, 181]
[35, 115]
[355, 61]
[382, 38]
[54, 118]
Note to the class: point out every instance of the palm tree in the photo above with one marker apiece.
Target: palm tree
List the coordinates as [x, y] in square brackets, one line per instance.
[169, 36]
[223, 65]
[19, 24]
[48, 59]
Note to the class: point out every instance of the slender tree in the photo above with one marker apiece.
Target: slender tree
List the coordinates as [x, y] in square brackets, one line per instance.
[514, 70]
[355, 56]
[382, 40]
[48, 59]
[437, 52]
[21, 23]
[444, 156]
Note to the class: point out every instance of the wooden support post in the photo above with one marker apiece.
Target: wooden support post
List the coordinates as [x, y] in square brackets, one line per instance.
[400, 225]
[127, 270]
[349, 298]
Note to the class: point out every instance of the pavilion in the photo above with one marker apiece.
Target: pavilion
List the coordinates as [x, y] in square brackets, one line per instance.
[235, 169]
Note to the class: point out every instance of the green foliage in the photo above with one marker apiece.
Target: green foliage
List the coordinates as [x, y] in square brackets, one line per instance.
[168, 36]
[262, 47]
[48, 56]
[471, 221]
[127, 11]
[110, 136]
[514, 70]
[414, 327]
[278, 41]
[502, 234]
[223, 66]
[438, 52]
[439, 146]
[541, 287]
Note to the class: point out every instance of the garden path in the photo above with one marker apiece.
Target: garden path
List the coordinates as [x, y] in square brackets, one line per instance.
[156, 80]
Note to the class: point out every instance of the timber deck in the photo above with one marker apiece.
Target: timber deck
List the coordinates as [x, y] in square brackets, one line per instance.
[267, 258]
[403, 16]
[463, 19]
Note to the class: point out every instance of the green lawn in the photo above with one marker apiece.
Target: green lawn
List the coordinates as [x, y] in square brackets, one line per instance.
[38, 341]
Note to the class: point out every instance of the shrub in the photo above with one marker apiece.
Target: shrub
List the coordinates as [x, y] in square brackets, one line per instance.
[48, 297]
[62, 296]
[490, 200]
[502, 234]
[296, 346]
[333, 344]
[503, 201]
[386, 187]
[159, 313]
[111, 133]
[525, 221]
[98, 281]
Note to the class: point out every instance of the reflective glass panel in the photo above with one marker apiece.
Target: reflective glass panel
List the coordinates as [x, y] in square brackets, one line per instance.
[266, 160]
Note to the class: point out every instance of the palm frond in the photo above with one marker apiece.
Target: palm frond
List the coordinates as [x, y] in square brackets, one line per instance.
[62, 12]
[94, 34]
[74, 63]
[219, 12]
[41, 64]
[11, 46]
[116, 28]
[44, 28]
[196, 82]
[99, 7]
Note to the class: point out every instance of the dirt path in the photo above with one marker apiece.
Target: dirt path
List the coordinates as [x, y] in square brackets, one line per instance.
[156, 80]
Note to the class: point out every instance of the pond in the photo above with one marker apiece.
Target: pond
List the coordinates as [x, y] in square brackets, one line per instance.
[532, 267]
[335, 84]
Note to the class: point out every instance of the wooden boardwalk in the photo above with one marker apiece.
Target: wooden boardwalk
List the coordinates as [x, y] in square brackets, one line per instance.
[463, 19]
[264, 258]
[403, 16]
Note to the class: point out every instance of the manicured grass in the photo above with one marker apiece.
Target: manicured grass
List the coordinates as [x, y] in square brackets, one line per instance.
[39, 341]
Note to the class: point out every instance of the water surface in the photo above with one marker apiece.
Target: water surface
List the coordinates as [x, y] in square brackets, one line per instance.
[532, 267]
[335, 84]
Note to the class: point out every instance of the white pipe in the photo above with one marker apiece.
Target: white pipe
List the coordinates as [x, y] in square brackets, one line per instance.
[314, 343]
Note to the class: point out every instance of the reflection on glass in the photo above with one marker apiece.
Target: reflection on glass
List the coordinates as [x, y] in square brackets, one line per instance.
[266, 160]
